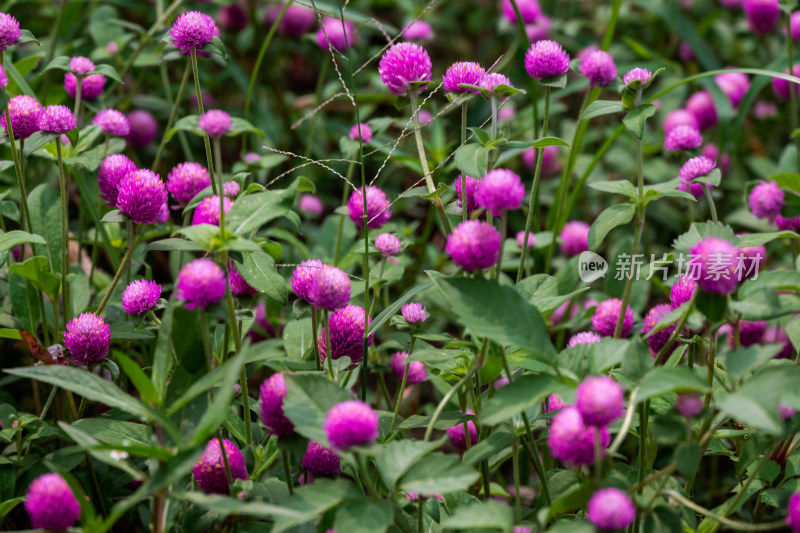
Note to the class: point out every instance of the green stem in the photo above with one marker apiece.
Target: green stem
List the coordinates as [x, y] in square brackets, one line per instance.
[493, 130]
[710, 200]
[287, 469]
[122, 267]
[206, 143]
[315, 328]
[64, 185]
[364, 473]
[464, 212]
[172, 115]
[328, 351]
[17, 157]
[402, 388]
[644, 409]
[503, 231]
[51, 50]
[792, 92]
[536, 460]
[237, 343]
[224, 452]
[221, 186]
[731, 524]
[446, 398]
[78, 87]
[712, 362]
[515, 461]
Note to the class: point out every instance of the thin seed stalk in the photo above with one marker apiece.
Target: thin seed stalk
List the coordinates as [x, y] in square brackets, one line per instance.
[218, 159]
[206, 143]
[122, 267]
[287, 469]
[710, 200]
[402, 388]
[78, 96]
[172, 115]
[64, 185]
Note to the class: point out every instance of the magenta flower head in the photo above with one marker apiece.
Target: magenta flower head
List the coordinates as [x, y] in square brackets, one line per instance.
[610, 509]
[404, 64]
[463, 72]
[232, 188]
[185, 180]
[347, 335]
[689, 405]
[711, 151]
[91, 85]
[49, 501]
[584, 337]
[521, 239]
[144, 128]
[414, 313]
[232, 17]
[209, 470]
[599, 68]
[554, 403]
[793, 512]
[416, 369]
[140, 296]
[762, 15]
[329, 288]
[238, 284]
[215, 122]
[271, 396]
[87, 337]
[528, 9]
[574, 238]
[680, 117]
[701, 105]
[81, 66]
[686, 53]
[321, 461]
[457, 437]
[491, 82]
[637, 77]
[682, 291]
[3, 77]
[788, 224]
[474, 245]
[207, 211]
[56, 119]
[297, 20]
[24, 112]
[682, 138]
[734, 84]
[696, 167]
[752, 258]
[9, 33]
[600, 400]
[713, 265]
[546, 59]
[764, 110]
[472, 187]
[200, 284]
[777, 335]
[309, 204]
[500, 190]
[387, 244]
[766, 200]
[142, 196]
[351, 423]
[302, 276]
[110, 173]
[657, 341]
[331, 30]
[378, 212]
[366, 132]
[782, 87]
[112, 122]
[794, 23]
[540, 29]
[419, 30]
[572, 441]
[192, 30]
[604, 320]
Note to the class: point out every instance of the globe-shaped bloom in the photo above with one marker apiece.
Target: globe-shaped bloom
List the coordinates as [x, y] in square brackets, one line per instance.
[551, 164]
[574, 238]
[351, 423]
[56, 119]
[331, 31]
[762, 15]
[87, 338]
[209, 471]
[144, 128]
[91, 85]
[387, 244]
[237, 283]
[604, 320]
[539, 30]
[112, 122]
[366, 132]
[80, 65]
[9, 33]
[764, 110]
[701, 105]
[474, 245]
[192, 30]
[528, 9]
[329, 288]
[472, 187]
[419, 30]
[599, 68]
[140, 296]
[110, 173]
[584, 337]
[207, 211]
[500, 190]
[686, 53]
[712, 265]
[520, 238]
[637, 77]
[231, 189]
[734, 84]
[689, 405]
[794, 23]
[572, 441]
[787, 224]
[682, 138]
[215, 122]
[302, 276]
[24, 111]
[682, 291]
[777, 335]
[347, 335]
[491, 83]
[545, 59]
[185, 180]
[793, 512]
[142, 196]
[457, 436]
[321, 461]
[295, 22]
[200, 283]
[463, 72]
[416, 369]
[271, 396]
[696, 167]
[554, 403]
[658, 340]
[750, 260]
[378, 211]
[49, 501]
[783, 87]
[310, 205]
[414, 313]
[610, 509]
[232, 17]
[680, 117]
[711, 151]
[600, 400]
[766, 200]
[404, 64]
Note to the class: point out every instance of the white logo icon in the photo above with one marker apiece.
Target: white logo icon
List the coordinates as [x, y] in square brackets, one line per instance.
[591, 267]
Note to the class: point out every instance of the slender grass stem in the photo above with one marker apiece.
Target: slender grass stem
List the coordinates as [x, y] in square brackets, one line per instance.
[237, 343]
[328, 351]
[402, 388]
[287, 469]
[64, 185]
[201, 110]
[515, 466]
[731, 524]
[710, 200]
[314, 329]
[126, 259]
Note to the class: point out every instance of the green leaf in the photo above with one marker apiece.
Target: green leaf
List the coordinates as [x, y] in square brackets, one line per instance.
[557, 82]
[137, 376]
[471, 159]
[252, 211]
[108, 71]
[37, 270]
[309, 397]
[606, 354]
[445, 421]
[610, 218]
[215, 414]
[12, 239]
[365, 516]
[699, 231]
[240, 126]
[115, 215]
[788, 181]
[217, 47]
[712, 305]
[162, 357]
[713, 178]
[544, 142]
[757, 239]
[773, 281]
[128, 436]
[58, 63]
[623, 187]
[16, 77]
[259, 271]
[390, 311]
[483, 515]
[311, 501]
[599, 108]
[400, 455]
[492, 445]
[518, 396]
[95, 448]
[438, 473]
[26, 36]
[661, 380]
[635, 119]
[190, 123]
[37, 141]
[745, 358]
[223, 506]
[173, 244]
[750, 412]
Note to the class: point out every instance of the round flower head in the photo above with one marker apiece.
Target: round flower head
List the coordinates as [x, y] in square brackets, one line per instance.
[80, 65]
[701, 105]
[521, 239]
[474, 245]
[251, 158]
[321, 461]
[546, 59]
[682, 291]
[788, 224]
[200, 284]
[347, 335]
[140, 296]
[794, 23]
[491, 82]
[554, 403]
[207, 211]
[463, 72]
[572, 441]
[752, 258]
[238, 284]
[329, 289]
[185, 180]
[764, 110]
[472, 187]
[641, 75]
[599, 68]
[24, 113]
[682, 138]
[49, 501]
[387, 244]
[311, 205]
[209, 471]
[762, 15]
[657, 341]
[506, 113]
[91, 85]
[584, 337]
[500, 382]
[414, 313]
[193, 30]
[600, 400]
[689, 405]
[714, 263]
[351, 423]
[528, 9]
[786, 412]
[777, 335]
[711, 151]
[680, 117]
[734, 84]
[750, 333]
[3, 77]
[500, 190]
[551, 164]
[231, 189]
[610, 509]
[366, 132]
[141, 196]
[419, 30]
[112, 122]
[331, 31]
[232, 17]
[295, 22]
[403, 64]
[416, 369]
[215, 122]
[696, 167]
[378, 212]
[87, 337]
[574, 238]
[271, 396]
[782, 87]
[302, 276]
[9, 33]
[56, 119]
[766, 200]
[457, 437]
[604, 320]
[539, 30]
[144, 128]
[686, 53]
[110, 173]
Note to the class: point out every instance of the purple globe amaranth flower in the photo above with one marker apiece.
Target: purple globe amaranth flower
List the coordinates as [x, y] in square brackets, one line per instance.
[604, 320]
[81, 66]
[711, 151]
[414, 313]
[600, 400]
[584, 337]
[295, 22]
[251, 158]
[387, 244]
[574, 238]
[546, 59]
[764, 110]
[659, 339]
[404, 64]
[310, 205]
[689, 405]
[794, 23]
[49, 501]
[500, 382]
[302, 276]
[539, 30]
[112, 122]
[87, 338]
[750, 260]
[331, 31]
[506, 113]
[416, 369]
[500, 190]
[91, 85]
[636, 77]
[766, 200]
[271, 396]
[682, 138]
[731, 4]
[419, 30]
[762, 15]
[610, 509]
[472, 187]
[554, 403]
[231, 189]
[701, 105]
[680, 117]
[144, 128]
[734, 84]
[110, 173]
[783, 87]
[329, 288]
[474, 245]
[457, 437]
[209, 470]
[215, 122]
[491, 82]
[787, 224]
[551, 164]
[786, 412]
[347, 335]
[751, 332]
[777, 335]
[686, 53]
[378, 212]
[207, 211]
[463, 72]
[696, 167]
[141, 196]
[9, 33]
[200, 283]
[3, 77]
[520, 238]
[185, 180]
[192, 30]
[572, 441]
[232, 17]
[237, 283]
[599, 68]
[682, 291]
[713, 265]
[528, 9]
[351, 423]
[24, 111]
[366, 132]
[56, 119]
[321, 461]
[140, 296]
